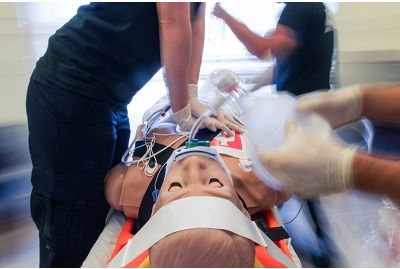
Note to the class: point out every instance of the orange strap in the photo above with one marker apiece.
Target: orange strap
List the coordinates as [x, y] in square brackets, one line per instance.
[271, 222]
[263, 258]
[123, 237]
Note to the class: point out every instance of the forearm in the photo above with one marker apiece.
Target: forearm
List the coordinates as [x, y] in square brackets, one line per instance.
[377, 175]
[175, 42]
[381, 103]
[198, 26]
[255, 44]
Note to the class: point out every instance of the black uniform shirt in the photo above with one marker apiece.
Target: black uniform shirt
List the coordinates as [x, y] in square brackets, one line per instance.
[308, 67]
[106, 51]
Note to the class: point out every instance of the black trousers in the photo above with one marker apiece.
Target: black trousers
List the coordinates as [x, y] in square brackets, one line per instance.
[73, 140]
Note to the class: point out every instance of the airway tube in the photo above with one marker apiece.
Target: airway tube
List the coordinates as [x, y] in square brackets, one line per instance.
[198, 123]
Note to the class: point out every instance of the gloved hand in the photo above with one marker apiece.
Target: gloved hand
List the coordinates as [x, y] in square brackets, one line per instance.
[338, 107]
[184, 118]
[309, 166]
[211, 123]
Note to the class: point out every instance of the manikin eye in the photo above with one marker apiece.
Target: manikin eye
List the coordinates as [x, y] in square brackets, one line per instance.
[214, 182]
[175, 186]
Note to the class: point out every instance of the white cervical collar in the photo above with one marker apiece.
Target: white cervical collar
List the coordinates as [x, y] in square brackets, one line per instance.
[195, 212]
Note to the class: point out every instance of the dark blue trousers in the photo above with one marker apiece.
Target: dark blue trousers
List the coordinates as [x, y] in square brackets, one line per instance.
[73, 140]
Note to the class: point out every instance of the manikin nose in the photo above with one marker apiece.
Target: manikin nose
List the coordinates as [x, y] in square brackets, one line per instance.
[195, 169]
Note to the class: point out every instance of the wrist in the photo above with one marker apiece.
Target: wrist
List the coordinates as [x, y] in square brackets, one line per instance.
[354, 106]
[197, 107]
[192, 90]
[183, 117]
[224, 16]
[340, 169]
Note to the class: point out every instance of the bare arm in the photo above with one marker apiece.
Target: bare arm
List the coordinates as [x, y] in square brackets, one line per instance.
[198, 26]
[377, 175]
[280, 43]
[378, 102]
[381, 103]
[175, 44]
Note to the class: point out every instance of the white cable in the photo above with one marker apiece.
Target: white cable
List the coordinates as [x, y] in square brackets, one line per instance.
[142, 159]
[158, 173]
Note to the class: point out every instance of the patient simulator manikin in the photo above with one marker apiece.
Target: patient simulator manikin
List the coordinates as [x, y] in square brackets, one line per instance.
[192, 209]
[197, 220]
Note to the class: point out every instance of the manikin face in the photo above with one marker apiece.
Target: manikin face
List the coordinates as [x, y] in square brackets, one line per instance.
[200, 247]
[196, 176]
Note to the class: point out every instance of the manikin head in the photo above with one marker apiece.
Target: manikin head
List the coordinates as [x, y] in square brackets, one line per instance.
[196, 174]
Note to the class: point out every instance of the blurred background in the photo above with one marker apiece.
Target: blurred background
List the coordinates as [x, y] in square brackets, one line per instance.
[368, 50]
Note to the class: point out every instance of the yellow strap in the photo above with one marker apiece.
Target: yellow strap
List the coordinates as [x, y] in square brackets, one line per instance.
[145, 263]
[258, 264]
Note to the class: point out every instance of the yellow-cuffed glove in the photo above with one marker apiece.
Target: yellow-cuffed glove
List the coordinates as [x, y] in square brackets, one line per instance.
[310, 166]
[221, 120]
[184, 118]
[338, 107]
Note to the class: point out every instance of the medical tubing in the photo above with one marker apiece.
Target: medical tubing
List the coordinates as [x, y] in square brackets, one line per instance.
[148, 124]
[297, 214]
[212, 110]
[196, 126]
[124, 159]
[128, 151]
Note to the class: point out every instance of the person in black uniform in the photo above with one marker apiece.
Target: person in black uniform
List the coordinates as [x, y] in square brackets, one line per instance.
[302, 45]
[77, 110]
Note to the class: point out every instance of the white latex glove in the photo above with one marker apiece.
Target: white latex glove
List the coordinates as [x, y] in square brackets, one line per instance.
[338, 107]
[184, 118]
[309, 166]
[199, 108]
